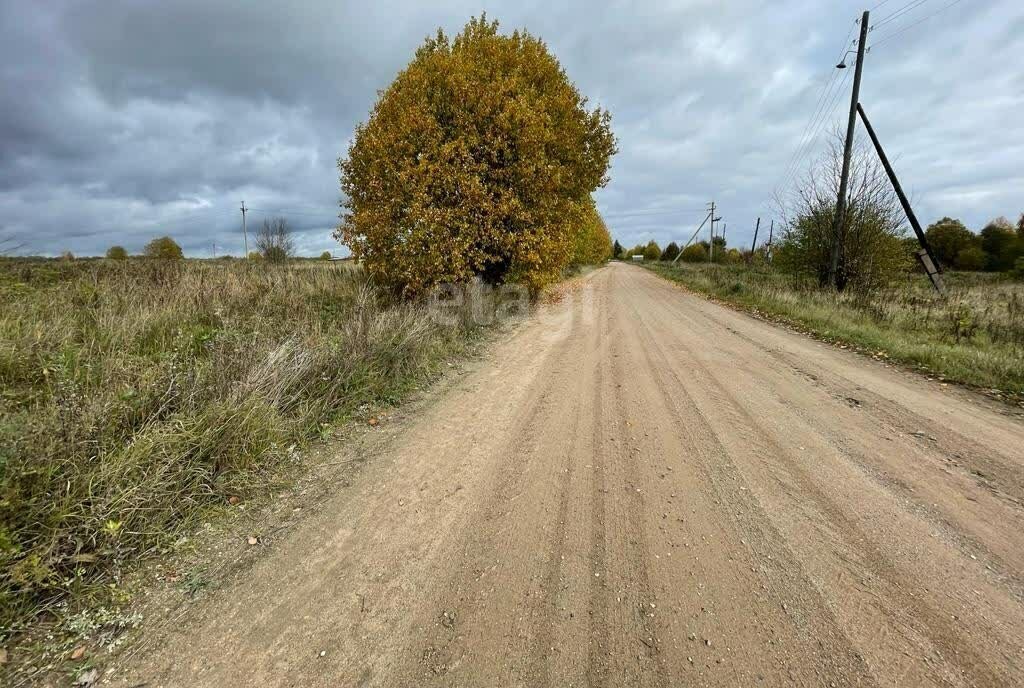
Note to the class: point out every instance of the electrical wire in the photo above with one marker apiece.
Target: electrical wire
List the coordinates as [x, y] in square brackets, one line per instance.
[813, 123]
[909, 7]
[822, 124]
[625, 215]
[888, 37]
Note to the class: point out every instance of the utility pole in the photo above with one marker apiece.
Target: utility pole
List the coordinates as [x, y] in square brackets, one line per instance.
[245, 234]
[693, 236]
[754, 245]
[771, 231]
[928, 260]
[838, 221]
[711, 246]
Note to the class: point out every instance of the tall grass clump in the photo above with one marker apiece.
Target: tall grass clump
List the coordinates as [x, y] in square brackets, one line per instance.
[136, 394]
[973, 335]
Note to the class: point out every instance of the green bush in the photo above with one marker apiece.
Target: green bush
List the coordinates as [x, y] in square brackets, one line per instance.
[651, 251]
[971, 258]
[117, 253]
[694, 253]
[163, 248]
[1018, 268]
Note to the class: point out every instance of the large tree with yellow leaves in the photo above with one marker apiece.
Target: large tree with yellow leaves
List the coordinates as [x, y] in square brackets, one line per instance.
[479, 159]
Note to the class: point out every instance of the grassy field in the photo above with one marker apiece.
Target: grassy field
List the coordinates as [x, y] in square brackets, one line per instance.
[137, 395]
[974, 336]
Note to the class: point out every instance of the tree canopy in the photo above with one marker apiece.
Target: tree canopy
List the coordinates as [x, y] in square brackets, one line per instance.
[479, 159]
[117, 253]
[670, 252]
[164, 248]
[948, 238]
[652, 251]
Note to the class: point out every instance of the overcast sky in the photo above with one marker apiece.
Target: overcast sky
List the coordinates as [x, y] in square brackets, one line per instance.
[123, 120]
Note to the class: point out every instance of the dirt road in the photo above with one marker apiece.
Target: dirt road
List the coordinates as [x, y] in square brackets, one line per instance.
[641, 488]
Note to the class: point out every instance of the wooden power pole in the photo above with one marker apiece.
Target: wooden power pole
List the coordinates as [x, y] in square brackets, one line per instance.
[838, 221]
[929, 261]
[245, 234]
[711, 245]
[754, 244]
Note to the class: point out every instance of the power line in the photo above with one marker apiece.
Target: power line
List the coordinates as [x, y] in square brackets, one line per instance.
[910, 6]
[827, 112]
[813, 123]
[888, 37]
[625, 215]
[822, 97]
[288, 211]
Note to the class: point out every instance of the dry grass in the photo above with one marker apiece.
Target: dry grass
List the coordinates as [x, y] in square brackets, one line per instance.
[138, 394]
[974, 336]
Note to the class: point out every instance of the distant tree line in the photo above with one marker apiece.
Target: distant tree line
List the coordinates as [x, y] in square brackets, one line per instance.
[274, 243]
[699, 252]
[998, 247]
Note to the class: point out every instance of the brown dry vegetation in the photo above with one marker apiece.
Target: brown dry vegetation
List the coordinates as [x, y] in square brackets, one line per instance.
[137, 394]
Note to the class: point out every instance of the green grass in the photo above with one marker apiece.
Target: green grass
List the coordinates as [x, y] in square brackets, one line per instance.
[137, 395]
[974, 336]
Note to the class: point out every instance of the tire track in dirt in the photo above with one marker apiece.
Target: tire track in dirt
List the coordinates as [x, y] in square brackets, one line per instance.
[839, 664]
[936, 628]
[495, 560]
[961, 508]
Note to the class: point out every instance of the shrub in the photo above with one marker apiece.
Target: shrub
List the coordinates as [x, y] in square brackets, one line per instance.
[163, 248]
[326, 255]
[670, 252]
[274, 240]
[871, 250]
[652, 251]
[476, 160]
[694, 253]
[117, 253]
[948, 238]
[1018, 269]
[971, 258]
[1001, 245]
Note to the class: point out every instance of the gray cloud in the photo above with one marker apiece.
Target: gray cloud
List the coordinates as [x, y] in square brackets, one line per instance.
[123, 120]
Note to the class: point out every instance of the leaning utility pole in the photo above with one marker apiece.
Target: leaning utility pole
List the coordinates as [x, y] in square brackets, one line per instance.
[694, 235]
[245, 235]
[754, 245]
[711, 245]
[837, 222]
[928, 259]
